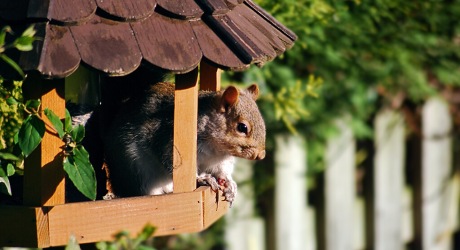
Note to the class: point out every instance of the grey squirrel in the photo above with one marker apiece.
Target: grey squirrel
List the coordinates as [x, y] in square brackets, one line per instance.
[139, 144]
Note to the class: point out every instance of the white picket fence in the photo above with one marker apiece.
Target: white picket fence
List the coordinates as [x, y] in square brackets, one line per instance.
[394, 214]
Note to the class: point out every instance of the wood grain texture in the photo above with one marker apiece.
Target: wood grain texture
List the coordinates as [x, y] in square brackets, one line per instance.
[95, 221]
[183, 9]
[127, 10]
[185, 132]
[168, 43]
[215, 49]
[267, 52]
[269, 18]
[23, 227]
[108, 46]
[229, 33]
[44, 174]
[238, 41]
[233, 3]
[100, 220]
[262, 29]
[72, 12]
[214, 207]
[61, 57]
[63, 11]
[209, 77]
[214, 7]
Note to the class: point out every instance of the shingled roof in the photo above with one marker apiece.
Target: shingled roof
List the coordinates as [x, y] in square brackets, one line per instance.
[116, 36]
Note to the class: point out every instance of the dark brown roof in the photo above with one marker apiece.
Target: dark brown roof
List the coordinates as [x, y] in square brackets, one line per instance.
[115, 36]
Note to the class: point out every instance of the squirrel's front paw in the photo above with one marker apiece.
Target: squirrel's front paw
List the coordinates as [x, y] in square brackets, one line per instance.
[207, 180]
[229, 189]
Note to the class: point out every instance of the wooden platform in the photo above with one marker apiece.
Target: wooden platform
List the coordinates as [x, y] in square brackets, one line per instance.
[94, 221]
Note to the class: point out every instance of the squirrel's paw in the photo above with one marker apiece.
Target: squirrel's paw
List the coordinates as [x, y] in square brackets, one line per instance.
[229, 189]
[207, 180]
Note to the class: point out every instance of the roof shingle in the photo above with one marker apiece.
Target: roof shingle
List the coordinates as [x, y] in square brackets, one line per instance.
[115, 36]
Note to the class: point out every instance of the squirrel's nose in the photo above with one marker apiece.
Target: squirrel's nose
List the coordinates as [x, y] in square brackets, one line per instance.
[260, 155]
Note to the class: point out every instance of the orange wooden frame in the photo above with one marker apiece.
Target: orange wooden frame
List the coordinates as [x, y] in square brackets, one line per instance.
[45, 219]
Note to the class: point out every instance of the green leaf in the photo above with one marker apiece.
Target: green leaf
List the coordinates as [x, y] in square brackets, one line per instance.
[81, 172]
[2, 172]
[24, 43]
[5, 186]
[78, 133]
[9, 156]
[68, 122]
[72, 244]
[16, 138]
[11, 101]
[6, 29]
[30, 134]
[33, 105]
[10, 169]
[102, 245]
[57, 124]
[29, 32]
[13, 64]
[146, 233]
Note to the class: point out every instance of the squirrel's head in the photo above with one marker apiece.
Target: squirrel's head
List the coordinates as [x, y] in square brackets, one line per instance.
[245, 128]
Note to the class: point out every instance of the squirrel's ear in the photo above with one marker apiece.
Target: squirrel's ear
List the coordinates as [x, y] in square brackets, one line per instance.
[254, 91]
[229, 97]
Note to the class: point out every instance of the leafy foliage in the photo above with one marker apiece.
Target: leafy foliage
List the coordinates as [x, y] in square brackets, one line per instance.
[11, 112]
[81, 172]
[125, 242]
[20, 136]
[366, 54]
[22, 43]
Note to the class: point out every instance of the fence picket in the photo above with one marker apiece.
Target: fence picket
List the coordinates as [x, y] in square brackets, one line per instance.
[388, 180]
[290, 193]
[436, 175]
[243, 230]
[337, 213]
[426, 216]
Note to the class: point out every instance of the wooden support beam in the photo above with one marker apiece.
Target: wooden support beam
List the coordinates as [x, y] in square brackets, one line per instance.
[95, 221]
[23, 226]
[209, 77]
[44, 175]
[185, 132]
[101, 220]
[213, 206]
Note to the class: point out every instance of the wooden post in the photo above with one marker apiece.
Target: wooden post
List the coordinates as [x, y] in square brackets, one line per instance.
[185, 132]
[209, 77]
[44, 174]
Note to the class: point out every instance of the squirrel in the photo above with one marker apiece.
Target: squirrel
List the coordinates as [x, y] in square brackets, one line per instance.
[139, 144]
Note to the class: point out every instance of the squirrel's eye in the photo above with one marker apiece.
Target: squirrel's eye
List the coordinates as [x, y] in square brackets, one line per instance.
[243, 128]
